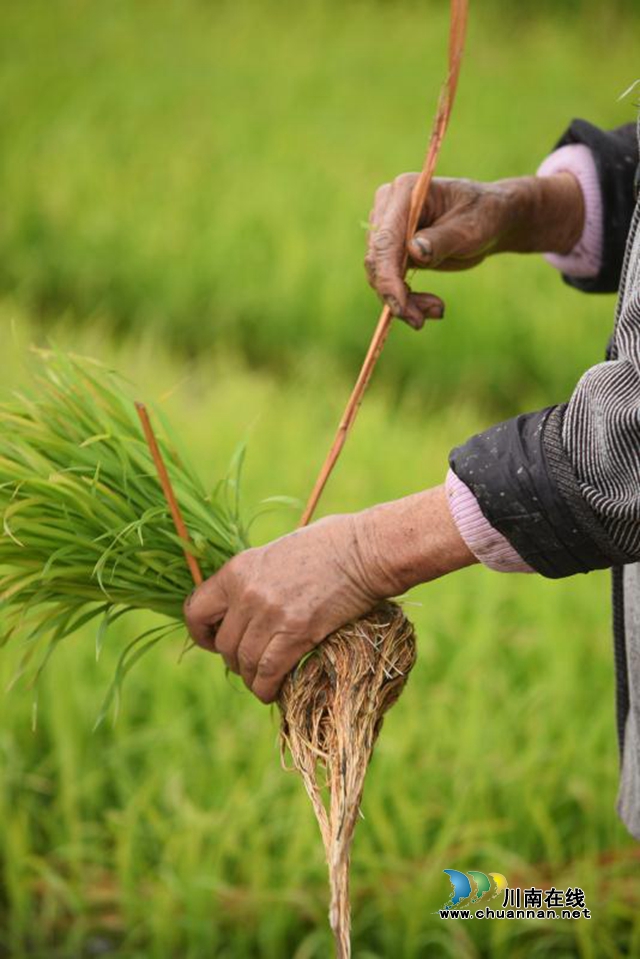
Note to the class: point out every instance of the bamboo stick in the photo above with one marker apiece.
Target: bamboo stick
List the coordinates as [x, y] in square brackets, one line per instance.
[459, 12]
[167, 489]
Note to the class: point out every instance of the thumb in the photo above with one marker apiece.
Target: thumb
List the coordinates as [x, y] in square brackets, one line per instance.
[432, 246]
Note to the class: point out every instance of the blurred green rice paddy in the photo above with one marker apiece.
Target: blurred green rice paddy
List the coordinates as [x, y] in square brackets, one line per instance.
[183, 186]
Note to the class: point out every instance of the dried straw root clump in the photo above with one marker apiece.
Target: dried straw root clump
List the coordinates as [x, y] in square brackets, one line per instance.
[332, 710]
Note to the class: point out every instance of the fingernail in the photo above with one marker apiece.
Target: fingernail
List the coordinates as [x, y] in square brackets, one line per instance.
[424, 247]
[436, 312]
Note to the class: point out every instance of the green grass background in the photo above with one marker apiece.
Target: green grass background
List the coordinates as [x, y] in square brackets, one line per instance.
[183, 187]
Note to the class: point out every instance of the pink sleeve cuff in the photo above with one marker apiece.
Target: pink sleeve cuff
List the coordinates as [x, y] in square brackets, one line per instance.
[486, 543]
[585, 258]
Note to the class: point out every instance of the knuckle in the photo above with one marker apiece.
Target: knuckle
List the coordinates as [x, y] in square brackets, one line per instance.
[268, 667]
[370, 267]
[464, 188]
[381, 193]
[384, 240]
[251, 596]
[266, 695]
[295, 622]
[198, 632]
[204, 637]
[405, 180]
[237, 565]
[199, 639]
[225, 644]
[271, 610]
[246, 661]
[257, 599]
[230, 663]
[240, 564]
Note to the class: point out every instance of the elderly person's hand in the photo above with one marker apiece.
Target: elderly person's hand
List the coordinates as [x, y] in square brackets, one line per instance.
[269, 606]
[462, 222]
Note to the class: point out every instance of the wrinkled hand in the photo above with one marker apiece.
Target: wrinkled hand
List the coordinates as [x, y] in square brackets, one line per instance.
[269, 606]
[277, 602]
[462, 222]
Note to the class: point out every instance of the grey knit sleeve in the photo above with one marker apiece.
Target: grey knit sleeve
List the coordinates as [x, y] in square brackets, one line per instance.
[601, 424]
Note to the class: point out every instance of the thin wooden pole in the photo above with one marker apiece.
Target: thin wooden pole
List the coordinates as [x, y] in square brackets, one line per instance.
[167, 489]
[459, 12]
[350, 412]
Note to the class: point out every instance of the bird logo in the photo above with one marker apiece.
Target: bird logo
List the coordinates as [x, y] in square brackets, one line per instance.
[473, 885]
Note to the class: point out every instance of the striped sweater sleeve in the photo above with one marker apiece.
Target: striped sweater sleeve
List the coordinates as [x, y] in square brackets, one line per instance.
[601, 424]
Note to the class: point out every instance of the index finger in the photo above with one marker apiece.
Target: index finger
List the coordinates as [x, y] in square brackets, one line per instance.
[375, 216]
[205, 608]
[386, 244]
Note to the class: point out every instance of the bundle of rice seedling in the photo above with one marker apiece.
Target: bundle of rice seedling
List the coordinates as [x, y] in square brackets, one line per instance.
[332, 709]
[86, 528]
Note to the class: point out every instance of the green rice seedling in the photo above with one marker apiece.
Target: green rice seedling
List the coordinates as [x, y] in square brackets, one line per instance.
[86, 529]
